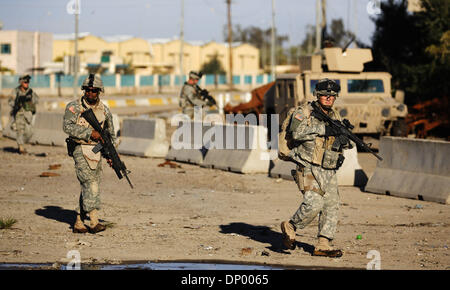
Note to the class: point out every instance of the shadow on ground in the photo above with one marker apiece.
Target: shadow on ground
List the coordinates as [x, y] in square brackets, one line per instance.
[58, 214]
[263, 234]
[10, 150]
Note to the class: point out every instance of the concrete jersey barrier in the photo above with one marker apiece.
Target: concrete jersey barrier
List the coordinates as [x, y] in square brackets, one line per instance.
[242, 149]
[187, 142]
[413, 168]
[143, 137]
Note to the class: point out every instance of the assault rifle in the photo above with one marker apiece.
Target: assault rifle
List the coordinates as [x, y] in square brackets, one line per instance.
[343, 128]
[20, 101]
[106, 146]
[206, 96]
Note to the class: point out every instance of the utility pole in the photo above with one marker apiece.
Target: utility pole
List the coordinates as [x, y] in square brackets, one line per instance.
[181, 42]
[321, 23]
[230, 34]
[76, 60]
[318, 38]
[355, 7]
[324, 19]
[272, 49]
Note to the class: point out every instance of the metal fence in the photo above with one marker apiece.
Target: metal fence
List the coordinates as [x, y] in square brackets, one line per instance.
[111, 80]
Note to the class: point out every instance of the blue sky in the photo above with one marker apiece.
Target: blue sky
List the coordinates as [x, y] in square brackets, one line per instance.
[204, 19]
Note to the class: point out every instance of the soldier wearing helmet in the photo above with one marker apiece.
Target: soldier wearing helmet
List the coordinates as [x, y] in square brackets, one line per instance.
[315, 175]
[81, 141]
[23, 101]
[191, 95]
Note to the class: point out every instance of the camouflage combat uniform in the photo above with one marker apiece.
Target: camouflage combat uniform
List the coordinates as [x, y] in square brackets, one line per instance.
[88, 165]
[316, 171]
[189, 98]
[22, 124]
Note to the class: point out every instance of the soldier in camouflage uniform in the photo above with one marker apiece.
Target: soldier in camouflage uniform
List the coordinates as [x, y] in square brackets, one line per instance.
[23, 101]
[81, 141]
[317, 162]
[190, 95]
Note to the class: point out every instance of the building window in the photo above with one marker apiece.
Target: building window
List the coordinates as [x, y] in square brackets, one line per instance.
[5, 48]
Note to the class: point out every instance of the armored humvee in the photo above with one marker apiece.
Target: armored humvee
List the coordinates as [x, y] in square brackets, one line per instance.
[365, 98]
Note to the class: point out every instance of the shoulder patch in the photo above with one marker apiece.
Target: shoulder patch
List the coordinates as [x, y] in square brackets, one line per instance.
[72, 109]
[298, 116]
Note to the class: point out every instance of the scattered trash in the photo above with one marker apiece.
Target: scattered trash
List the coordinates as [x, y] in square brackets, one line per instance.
[41, 154]
[358, 237]
[182, 171]
[265, 253]
[54, 166]
[48, 174]
[170, 164]
[208, 248]
[418, 206]
[279, 180]
[192, 227]
[246, 251]
[77, 243]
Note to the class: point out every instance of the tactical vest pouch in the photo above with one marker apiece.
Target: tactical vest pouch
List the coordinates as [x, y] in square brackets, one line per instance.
[29, 106]
[284, 137]
[70, 146]
[318, 151]
[332, 159]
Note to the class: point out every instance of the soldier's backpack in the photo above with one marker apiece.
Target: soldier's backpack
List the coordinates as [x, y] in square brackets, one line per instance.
[285, 141]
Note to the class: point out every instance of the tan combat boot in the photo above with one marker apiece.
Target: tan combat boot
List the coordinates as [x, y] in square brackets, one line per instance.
[95, 226]
[324, 249]
[288, 230]
[79, 226]
[22, 150]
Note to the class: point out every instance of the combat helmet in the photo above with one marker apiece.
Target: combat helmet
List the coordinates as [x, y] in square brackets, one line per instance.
[195, 75]
[93, 81]
[327, 87]
[25, 78]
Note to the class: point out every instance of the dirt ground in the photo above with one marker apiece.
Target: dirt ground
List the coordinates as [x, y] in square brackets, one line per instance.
[198, 214]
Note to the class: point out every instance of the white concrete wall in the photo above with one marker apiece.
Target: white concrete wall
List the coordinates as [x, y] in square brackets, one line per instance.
[9, 60]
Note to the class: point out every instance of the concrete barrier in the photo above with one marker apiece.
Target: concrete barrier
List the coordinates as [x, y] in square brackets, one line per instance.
[48, 129]
[187, 143]
[242, 149]
[7, 131]
[349, 174]
[413, 168]
[143, 137]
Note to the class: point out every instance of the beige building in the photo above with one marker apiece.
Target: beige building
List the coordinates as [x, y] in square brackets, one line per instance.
[25, 51]
[154, 56]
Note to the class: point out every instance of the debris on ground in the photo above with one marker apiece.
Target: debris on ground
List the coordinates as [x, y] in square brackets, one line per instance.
[48, 174]
[170, 164]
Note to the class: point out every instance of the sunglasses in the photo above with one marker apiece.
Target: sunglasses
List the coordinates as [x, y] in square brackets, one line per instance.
[94, 90]
[328, 96]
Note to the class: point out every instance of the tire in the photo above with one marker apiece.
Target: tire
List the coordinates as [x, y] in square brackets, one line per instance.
[399, 128]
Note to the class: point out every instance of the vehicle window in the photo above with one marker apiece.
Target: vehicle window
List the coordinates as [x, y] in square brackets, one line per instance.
[365, 86]
[314, 82]
[291, 90]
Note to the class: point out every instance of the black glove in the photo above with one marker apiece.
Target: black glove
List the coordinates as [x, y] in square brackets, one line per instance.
[331, 131]
[343, 140]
